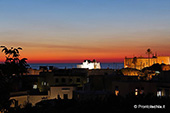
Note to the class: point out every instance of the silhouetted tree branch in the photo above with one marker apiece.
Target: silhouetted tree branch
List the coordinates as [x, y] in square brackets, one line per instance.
[13, 63]
[10, 71]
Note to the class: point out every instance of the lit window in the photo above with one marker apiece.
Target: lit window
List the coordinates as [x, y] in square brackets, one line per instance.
[45, 83]
[157, 72]
[136, 91]
[34, 86]
[159, 93]
[116, 92]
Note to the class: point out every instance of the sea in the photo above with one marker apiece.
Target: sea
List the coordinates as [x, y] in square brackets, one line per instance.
[74, 65]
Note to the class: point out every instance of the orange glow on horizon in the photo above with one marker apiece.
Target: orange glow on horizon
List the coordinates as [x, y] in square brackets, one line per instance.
[39, 57]
[72, 54]
[76, 61]
[118, 60]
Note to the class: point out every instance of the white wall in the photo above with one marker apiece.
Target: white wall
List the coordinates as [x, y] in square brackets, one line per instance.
[33, 99]
[91, 65]
[61, 90]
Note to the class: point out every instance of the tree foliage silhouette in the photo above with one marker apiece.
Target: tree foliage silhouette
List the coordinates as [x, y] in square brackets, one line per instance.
[9, 72]
[149, 52]
[13, 63]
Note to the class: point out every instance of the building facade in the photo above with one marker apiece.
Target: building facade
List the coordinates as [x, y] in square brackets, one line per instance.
[61, 92]
[142, 62]
[64, 77]
[90, 64]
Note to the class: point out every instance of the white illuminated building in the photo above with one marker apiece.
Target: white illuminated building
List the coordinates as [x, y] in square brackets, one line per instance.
[90, 64]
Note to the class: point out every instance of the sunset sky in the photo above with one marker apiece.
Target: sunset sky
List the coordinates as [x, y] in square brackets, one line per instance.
[58, 31]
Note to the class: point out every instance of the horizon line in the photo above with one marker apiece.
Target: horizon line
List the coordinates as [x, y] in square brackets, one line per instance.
[72, 61]
[65, 62]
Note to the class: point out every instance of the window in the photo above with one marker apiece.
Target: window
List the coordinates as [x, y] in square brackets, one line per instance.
[162, 61]
[65, 96]
[34, 86]
[58, 96]
[78, 80]
[116, 90]
[65, 88]
[56, 80]
[63, 80]
[159, 94]
[157, 72]
[140, 63]
[45, 83]
[136, 91]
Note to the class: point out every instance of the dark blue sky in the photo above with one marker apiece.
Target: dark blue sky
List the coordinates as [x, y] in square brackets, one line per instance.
[107, 28]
